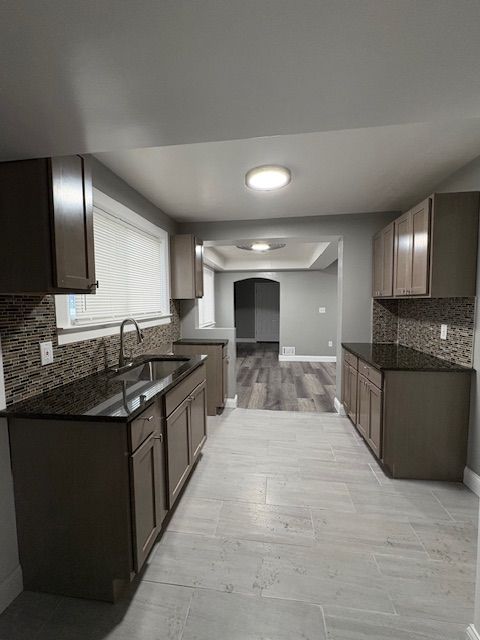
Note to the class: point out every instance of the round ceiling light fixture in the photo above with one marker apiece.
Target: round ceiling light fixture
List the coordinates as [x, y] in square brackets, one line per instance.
[261, 246]
[268, 177]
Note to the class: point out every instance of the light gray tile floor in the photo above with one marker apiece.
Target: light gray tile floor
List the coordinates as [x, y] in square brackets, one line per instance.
[288, 530]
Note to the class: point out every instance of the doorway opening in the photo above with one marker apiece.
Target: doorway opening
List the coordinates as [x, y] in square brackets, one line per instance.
[263, 380]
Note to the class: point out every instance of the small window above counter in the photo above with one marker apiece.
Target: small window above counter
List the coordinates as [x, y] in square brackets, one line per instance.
[47, 243]
[430, 251]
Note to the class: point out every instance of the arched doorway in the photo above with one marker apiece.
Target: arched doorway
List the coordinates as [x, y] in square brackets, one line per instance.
[257, 310]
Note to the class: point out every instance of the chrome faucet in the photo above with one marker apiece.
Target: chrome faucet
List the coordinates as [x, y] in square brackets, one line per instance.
[122, 359]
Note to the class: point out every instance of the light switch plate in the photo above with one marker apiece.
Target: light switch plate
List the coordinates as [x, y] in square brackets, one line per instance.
[443, 332]
[46, 352]
[322, 309]
[330, 343]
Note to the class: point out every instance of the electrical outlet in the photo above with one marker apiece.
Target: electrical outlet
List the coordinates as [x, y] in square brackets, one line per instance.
[443, 332]
[46, 352]
[288, 351]
[330, 343]
[322, 309]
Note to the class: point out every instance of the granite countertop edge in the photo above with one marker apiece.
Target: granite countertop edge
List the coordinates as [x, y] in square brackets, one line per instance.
[436, 365]
[16, 410]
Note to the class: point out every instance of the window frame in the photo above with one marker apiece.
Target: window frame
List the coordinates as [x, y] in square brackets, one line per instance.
[67, 332]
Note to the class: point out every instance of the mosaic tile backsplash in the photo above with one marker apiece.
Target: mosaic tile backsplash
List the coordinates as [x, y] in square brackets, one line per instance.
[416, 324]
[27, 320]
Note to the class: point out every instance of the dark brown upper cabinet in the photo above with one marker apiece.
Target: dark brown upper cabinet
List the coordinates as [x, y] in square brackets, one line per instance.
[383, 262]
[46, 244]
[186, 260]
[435, 249]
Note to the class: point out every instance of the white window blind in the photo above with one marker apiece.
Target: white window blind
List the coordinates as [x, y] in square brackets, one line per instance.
[206, 305]
[132, 270]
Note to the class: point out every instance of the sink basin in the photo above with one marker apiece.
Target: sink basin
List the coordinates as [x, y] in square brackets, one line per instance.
[151, 370]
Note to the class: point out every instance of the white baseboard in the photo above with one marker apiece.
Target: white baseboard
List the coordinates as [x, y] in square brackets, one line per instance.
[307, 358]
[232, 403]
[472, 633]
[471, 480]
[10, 588]
[245, 340]
[339, 407]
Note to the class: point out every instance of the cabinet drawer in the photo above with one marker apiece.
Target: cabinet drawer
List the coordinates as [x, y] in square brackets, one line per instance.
[178, 394]
[351, 359]
[143, 426]
[372, 374]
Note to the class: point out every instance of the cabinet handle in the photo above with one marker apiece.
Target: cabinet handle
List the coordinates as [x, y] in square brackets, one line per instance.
[159, 437]
[149, 419]
[94, 285]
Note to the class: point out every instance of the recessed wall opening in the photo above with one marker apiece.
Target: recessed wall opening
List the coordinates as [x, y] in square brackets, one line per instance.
[283, 306]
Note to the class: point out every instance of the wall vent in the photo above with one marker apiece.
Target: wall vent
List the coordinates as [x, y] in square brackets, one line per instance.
[288, 351]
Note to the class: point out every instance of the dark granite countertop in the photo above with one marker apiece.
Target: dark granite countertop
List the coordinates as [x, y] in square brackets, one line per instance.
[214, 341]
[395, 357]
[102, 396]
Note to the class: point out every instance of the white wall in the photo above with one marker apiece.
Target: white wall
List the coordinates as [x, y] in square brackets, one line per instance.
[301, 295]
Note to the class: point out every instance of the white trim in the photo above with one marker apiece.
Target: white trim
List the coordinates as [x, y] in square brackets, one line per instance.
[245, 339]
[307, 358]
[232, 403]
[472, 633]
[65, 336]
[11, 587]
[339, 408]
[119, 210]
[471, 480]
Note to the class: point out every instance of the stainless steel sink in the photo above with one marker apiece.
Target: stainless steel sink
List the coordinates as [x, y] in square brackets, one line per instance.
[151, 370]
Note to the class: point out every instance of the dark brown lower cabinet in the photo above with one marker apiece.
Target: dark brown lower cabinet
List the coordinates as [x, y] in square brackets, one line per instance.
[375, 422]
[91, 496]
[149, 502]
[186, 434]
[350, 391]
[198, 420]
[217, 368]
[363, 408]
[178, 447]
[415, 422]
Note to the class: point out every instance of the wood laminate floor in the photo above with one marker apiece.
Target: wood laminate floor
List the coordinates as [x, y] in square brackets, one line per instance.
[288, 530]
[265, 383]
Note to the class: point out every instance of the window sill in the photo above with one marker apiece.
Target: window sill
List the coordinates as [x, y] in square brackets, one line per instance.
[79, 334]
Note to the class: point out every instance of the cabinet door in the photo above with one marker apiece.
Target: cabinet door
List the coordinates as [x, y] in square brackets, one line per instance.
[378, 264]
[352, 389]
[225, 362]
[198, 266]
[198, 420]
[387, 264]
[346, 387]
[402, 260]
[148, 496]
[72, 211]
[375, 426]
[363, 406]
[420, 249]
[178, 449]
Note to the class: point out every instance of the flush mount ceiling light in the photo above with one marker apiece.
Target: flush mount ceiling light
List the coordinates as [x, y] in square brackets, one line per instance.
[268, 177]
[261, 246]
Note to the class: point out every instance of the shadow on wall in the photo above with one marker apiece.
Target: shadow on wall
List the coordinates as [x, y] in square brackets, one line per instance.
[257, 310]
